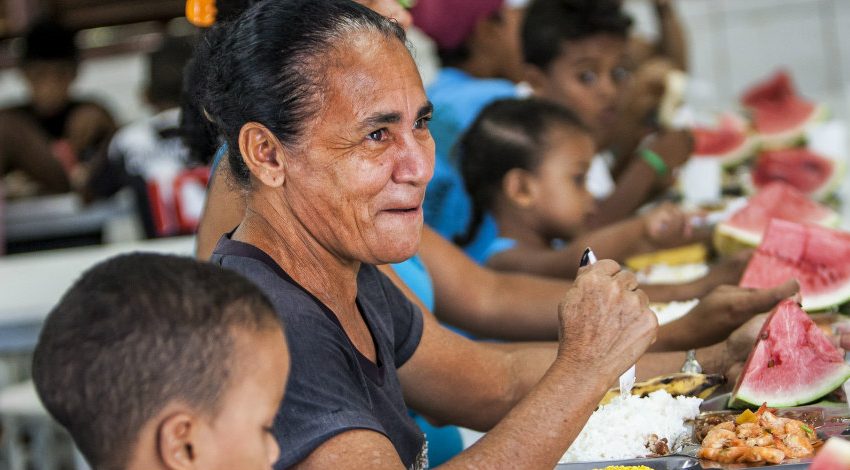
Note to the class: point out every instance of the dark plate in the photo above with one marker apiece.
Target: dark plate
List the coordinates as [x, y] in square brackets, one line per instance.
[669, 462]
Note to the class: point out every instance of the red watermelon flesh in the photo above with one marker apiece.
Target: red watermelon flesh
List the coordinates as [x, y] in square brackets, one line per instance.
[834, 455]
[776, 89]
[817, 257]
[776, 200]
[780, 115]
[793, 362]
[728, 142]
[807, 171]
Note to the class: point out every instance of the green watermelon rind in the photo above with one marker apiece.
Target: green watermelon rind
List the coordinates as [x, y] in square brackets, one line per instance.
[738, 155]
[745, 398]
[795, 136]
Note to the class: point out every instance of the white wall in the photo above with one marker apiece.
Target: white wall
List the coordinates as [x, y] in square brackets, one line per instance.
[736, 42]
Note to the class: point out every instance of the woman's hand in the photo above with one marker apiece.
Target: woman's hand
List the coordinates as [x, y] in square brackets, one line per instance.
[606, 324]
[667, 226]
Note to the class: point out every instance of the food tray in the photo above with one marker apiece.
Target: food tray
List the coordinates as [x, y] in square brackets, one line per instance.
[668, 462]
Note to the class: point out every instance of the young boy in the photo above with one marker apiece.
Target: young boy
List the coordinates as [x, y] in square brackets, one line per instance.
[150, 364]
[577, 56]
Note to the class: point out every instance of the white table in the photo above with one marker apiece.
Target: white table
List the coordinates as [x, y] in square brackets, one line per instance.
[31, 284]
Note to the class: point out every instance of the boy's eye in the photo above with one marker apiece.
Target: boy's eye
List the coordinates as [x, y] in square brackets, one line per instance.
[378, 135]
[587, 77]
[620, 74]
[422, 123]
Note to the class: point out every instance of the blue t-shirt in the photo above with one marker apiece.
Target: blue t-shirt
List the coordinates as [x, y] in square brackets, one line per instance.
[458, 98]
[332, 387]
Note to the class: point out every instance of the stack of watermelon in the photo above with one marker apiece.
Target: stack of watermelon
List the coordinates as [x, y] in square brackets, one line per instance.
[780, 118]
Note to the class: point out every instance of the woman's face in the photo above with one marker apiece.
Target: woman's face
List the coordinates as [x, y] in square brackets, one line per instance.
[358, 181]
[589, 77]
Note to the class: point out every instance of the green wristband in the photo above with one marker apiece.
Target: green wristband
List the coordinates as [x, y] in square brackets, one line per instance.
[655, 161]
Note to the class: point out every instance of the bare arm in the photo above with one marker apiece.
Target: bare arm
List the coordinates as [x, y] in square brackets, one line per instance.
[672, 43]
[223, 210]
[488, 386]
[24, 147]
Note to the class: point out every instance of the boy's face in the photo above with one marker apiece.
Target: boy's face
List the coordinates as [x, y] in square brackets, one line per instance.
[563, 202]
[49, 82]
[240, 436]
[589, 77]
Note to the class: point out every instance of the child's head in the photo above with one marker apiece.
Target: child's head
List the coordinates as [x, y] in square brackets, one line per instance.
[49, 65]
[154, 361]
[576, 55]
[529, 159]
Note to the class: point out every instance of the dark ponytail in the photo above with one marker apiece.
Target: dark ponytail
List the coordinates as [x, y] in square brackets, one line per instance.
[269, 64]
[507, 134]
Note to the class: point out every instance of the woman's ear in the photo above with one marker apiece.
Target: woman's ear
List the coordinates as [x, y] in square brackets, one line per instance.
[176, 444]
[263, 153]
[520, 187]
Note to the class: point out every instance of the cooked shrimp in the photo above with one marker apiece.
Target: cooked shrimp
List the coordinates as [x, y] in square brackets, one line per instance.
[774, 424]
[797, 446]
[754, 435]
[718, 438]
[727, 425]
[725, 455]
[765, 454]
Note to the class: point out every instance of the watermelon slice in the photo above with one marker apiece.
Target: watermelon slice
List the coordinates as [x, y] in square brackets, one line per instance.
[780, 115]
[793, 362]
[729, 142]
[834, 455]
[818, 257]
[776, 200]
[812, 174]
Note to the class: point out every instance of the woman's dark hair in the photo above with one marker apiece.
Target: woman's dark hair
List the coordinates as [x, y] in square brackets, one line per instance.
[269, 64]
[548, 23]
[508, 134]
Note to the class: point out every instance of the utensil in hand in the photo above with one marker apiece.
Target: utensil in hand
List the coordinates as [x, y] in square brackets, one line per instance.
[627, 380]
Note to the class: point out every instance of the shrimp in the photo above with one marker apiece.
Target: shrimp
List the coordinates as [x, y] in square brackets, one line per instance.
[727, 425]
[724, 455]
[797, 446]
[774, 424]
[765, 454]
[754, 435]
[718, 438]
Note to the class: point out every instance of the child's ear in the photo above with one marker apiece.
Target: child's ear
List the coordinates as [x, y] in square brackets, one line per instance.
[520, 187]
[536, 78]
[176, 441]
[263, 153]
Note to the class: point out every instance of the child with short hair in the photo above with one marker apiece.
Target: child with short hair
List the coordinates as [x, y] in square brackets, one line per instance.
[525, 161]
[150, 364]
[577, 55]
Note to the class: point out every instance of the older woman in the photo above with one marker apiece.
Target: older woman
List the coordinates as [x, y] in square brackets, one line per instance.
[326, 107]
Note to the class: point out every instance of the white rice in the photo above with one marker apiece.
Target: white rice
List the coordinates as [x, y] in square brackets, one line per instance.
[620, 429]
[667, 312]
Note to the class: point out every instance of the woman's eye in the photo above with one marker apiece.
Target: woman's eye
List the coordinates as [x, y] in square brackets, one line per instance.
[422, 123]
[378, 135]
[620, 74]
[587, 77]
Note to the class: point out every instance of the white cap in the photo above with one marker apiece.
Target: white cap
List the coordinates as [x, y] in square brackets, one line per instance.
[517, 3]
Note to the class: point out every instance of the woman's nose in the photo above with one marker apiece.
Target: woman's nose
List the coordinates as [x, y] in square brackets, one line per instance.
[415, 164]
